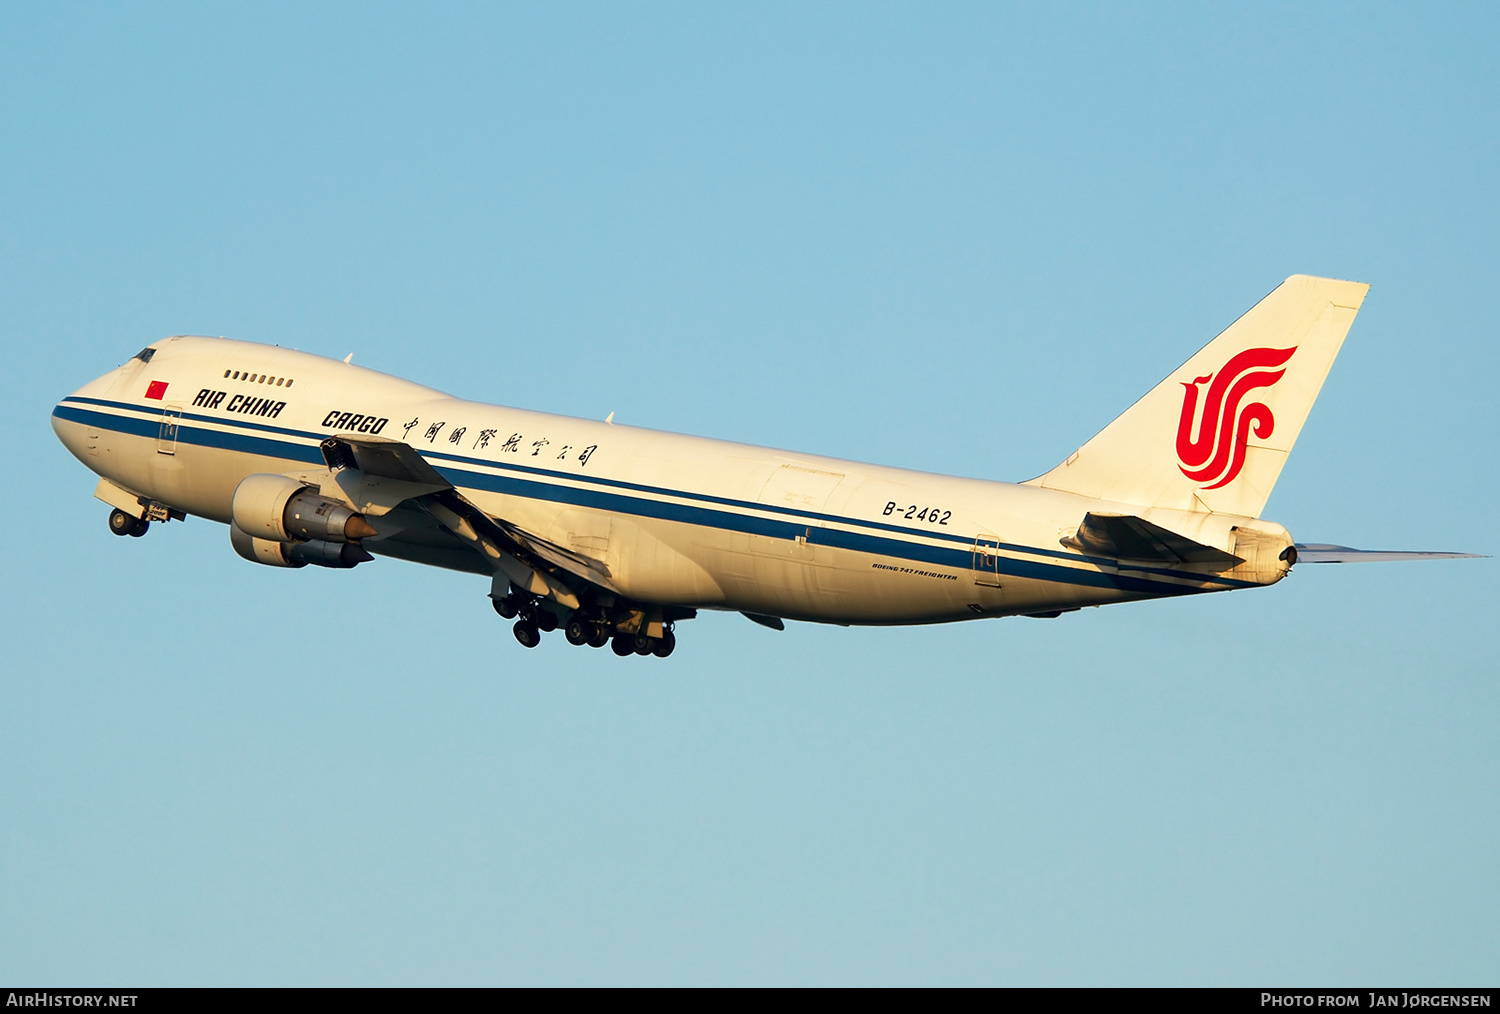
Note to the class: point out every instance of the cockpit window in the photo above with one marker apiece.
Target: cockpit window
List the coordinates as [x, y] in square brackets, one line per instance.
[144, 355]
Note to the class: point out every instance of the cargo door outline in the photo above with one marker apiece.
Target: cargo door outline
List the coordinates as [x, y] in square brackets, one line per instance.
[800, 488]
[986, 560]
[171, 423]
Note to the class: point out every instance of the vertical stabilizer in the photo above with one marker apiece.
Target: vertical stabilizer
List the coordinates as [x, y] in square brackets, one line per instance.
[1214, 435]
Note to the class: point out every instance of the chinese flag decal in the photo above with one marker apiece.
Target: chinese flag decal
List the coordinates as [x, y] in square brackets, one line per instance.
[157, 390]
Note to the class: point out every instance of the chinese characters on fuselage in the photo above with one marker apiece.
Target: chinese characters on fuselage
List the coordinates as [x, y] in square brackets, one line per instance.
[364, 423]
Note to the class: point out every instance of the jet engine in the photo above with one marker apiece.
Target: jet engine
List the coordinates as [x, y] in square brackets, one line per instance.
[281, 522]
[281, 509]
[340, 555]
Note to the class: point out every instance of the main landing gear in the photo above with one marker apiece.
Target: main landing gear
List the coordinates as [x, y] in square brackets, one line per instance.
[123, 524]
[589, 626]
[642, 644]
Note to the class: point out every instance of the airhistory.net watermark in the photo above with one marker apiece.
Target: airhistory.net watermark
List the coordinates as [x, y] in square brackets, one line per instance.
[45, 999]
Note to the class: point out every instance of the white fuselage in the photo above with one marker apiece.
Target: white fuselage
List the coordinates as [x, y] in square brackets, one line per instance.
[677, 520]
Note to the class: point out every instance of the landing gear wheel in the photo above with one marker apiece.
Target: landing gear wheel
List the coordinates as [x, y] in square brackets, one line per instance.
[599, 636]
[141, 525]
[577, 632]
[506, 607]
[623, 644]
[546, 620]
[527, 634]
[665, 644]
[121, 523]
[643, 644]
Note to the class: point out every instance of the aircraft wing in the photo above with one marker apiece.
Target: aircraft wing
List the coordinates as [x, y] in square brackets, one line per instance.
[1322, 552]
[531, 562]
[388, 459]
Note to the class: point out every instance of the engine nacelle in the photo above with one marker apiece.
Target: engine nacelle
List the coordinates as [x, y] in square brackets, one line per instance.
[266, 551]
[339, 555]
[275, 508]
[321, 553]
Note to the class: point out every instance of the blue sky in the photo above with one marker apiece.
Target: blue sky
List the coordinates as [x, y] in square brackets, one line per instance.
[952, 237]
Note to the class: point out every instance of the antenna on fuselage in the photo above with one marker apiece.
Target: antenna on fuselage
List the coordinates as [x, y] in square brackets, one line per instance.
[349, 359]
[610, 419]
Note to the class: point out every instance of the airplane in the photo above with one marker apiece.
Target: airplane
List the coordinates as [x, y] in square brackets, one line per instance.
[616, 534]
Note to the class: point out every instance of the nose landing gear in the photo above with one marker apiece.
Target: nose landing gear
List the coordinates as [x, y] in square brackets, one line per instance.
[121, 523]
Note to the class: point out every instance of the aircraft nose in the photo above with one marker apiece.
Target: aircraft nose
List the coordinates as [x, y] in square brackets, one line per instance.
[76, 417]
[70, 421]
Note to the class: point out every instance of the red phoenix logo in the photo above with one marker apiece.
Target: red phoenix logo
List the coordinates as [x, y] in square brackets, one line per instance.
[1216, 455]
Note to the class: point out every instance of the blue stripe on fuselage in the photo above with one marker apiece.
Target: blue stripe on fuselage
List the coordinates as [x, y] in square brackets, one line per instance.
[957, 556]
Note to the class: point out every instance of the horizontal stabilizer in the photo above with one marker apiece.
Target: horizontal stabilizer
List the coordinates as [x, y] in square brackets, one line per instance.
[1127, 537]
[1322, 552]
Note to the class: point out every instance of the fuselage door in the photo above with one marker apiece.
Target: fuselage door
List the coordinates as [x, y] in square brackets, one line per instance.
[171, 421]
[987, 560]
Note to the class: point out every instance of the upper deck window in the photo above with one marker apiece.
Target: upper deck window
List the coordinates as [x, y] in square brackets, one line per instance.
[144, 355]
[254, 378]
